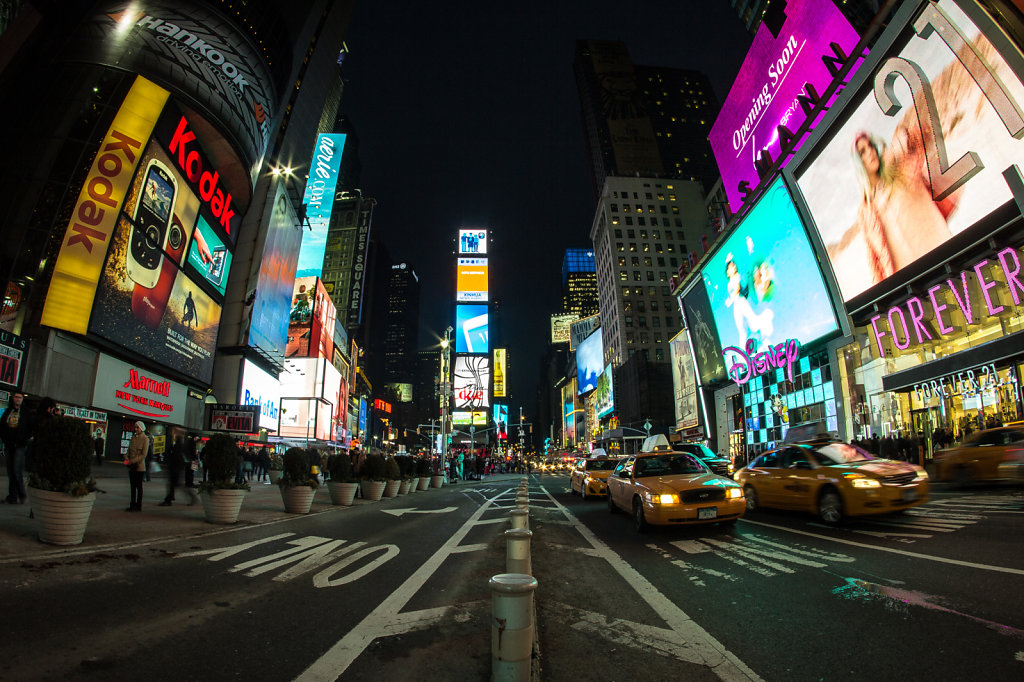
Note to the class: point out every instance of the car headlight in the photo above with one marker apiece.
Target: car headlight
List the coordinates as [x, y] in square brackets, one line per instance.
[865, 483]
[663, 499]
[922, 475]
[733, 493]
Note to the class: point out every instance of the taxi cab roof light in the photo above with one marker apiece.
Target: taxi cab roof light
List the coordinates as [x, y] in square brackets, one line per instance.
[656, 443]
[598, 452]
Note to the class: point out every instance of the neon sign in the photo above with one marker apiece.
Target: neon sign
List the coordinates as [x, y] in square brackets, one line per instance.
[920, 311]
[747, 365]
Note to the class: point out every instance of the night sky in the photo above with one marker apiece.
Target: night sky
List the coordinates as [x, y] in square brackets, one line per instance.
[468, 116]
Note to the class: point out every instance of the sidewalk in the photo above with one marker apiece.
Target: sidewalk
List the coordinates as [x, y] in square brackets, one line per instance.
[110, 525]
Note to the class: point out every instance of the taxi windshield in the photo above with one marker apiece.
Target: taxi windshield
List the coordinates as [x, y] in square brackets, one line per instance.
[668, 465]
[601, 464]
[841, 453]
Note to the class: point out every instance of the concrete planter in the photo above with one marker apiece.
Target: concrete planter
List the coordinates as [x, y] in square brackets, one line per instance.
[436, 481]
[414, 484]
[275, 475]
[297, 498]
[62, 517]
[403, 488]
[373, 490]
[391, 489]
[342, 493]
[222, 506]
[424, 483]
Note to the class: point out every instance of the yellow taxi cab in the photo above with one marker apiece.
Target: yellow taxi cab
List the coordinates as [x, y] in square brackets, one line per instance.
[831, 479]
[662, 486]
[590, 475]
[984, 456]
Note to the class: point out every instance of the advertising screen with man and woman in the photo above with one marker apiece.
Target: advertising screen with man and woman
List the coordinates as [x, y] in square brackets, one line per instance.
[764, 285]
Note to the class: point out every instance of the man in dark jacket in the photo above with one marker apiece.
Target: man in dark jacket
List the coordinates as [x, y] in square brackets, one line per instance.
[175, 461]
[16, 431]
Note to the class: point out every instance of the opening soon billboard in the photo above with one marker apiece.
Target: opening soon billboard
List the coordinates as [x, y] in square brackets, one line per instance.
[920, 155]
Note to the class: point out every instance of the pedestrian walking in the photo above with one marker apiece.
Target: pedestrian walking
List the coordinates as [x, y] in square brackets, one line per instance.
[175, 461]
[16, 431]
[191, 465]
[138, 448]
[97, 445]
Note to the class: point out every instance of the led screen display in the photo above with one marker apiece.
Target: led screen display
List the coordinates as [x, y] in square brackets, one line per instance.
[471, 382]
[604, 394]
[684, 383]
[471, 329]
[500, 372]
[589, 362]
[471, 280]
[263, 390]
[763, 283]
[209, 256]
[701, 325]
[310, 320]
[319, 200]
[581, 329]
[465, 418]
[877, 192]
[763, 95]
[501, 417]
[569, 421]
[473, 241]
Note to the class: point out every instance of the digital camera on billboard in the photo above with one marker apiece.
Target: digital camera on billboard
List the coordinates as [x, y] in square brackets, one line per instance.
[152, 225]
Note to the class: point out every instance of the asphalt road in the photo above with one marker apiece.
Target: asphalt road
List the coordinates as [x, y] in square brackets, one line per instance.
[376, 591]
[934, 593]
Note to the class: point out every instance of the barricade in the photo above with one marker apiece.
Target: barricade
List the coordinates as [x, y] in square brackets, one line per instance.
[511, 626]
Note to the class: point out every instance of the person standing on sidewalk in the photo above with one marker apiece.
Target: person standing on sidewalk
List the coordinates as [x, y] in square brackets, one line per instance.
[98, 447]
[15, 431]
[176, 461]
[138, 448]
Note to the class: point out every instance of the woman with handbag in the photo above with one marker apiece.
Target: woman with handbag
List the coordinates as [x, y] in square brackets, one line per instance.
[138, 448]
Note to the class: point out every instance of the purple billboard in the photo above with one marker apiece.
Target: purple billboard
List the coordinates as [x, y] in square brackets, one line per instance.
[764, 94]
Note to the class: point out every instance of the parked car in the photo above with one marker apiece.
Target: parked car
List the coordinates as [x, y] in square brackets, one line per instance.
[984, 456]
[590, 475]
[831, 479]
[664, 486]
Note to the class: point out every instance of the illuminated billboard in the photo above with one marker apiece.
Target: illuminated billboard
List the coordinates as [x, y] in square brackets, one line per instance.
[500, 372]
[309, 389]
[471, 329]
[319, 200]
[151, 298]
[501, 418]
[581, 329]
[569, 420]
[763, 283]
[471, 280]
[310, 321]
[684, 383]
[764, 94]
[701, 325]
[471, 382]
[560, 327]
[473, 241]
[893, 183]
[263, 390]
[465, 418]
[604, 393]
[267, 325]
[589, 362]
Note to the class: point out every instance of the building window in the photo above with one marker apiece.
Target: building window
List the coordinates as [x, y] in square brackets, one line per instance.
[663, 208]
[632, 247]
[675, 210]
[636, 275]
[645, 337]
[640, 305]
[669, 321]
[627, 306]
[674, 262]
[668, 234]
[661, 262]
[655, 234]
[625, 292]
[650, 208]
[664, 291]
[659, 353]
[671, 197]
[671, 248]
[631, 234]
[635, 261]
[615, 208]
[623, 277]
[655, 320]
[629, 220]
[642, 321]
[629, 340]
[678, 222]
[661, 196]
[647, 195]
[662, 276]
[641, 221]
[650, 276]
[618, 234]
[639, 207]
[652, 291]
[643, 234]
[622, 261]
[625, 208]
[654, 222]
[647, 261]
[619, 247]
[629, 320]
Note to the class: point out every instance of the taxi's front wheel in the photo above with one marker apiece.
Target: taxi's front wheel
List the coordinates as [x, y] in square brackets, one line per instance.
[830, 506]
[751, 495]
[639, 522]
[611, 505]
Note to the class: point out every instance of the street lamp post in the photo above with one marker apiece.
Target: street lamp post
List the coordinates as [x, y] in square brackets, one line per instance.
[445, 361]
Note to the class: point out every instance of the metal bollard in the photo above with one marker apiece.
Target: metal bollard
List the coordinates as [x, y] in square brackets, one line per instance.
[520, 517]
[511, 626]
[517, 551]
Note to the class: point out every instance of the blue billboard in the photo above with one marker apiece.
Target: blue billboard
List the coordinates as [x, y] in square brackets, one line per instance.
[764, 284]
[589, 362]
[319, 200]
[471, 329]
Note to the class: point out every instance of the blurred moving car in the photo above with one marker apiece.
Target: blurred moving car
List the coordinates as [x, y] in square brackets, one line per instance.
[663, 486]
[590, 475]
[720, 465]
[984, 456]
[831, 479]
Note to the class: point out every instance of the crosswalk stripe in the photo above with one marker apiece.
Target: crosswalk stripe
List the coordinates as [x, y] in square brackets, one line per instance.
[731, 547]
[816, 553]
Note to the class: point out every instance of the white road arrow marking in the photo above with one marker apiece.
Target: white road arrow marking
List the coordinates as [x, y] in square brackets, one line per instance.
[399, 512]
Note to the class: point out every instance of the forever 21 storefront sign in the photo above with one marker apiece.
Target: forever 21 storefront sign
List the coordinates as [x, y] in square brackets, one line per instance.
[129, 389]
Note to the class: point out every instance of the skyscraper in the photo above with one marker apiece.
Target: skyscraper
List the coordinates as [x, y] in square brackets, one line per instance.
[579, 283]
[401, 323]
[643, 121]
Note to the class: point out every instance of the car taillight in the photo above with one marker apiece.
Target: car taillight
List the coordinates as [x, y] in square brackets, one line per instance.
[1013, 454]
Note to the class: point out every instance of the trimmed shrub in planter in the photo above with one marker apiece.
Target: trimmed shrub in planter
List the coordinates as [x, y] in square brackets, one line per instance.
[423, 471]
[297, 483]
[343, 484]
[394, 477]
[220, 494]
[61, 489]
